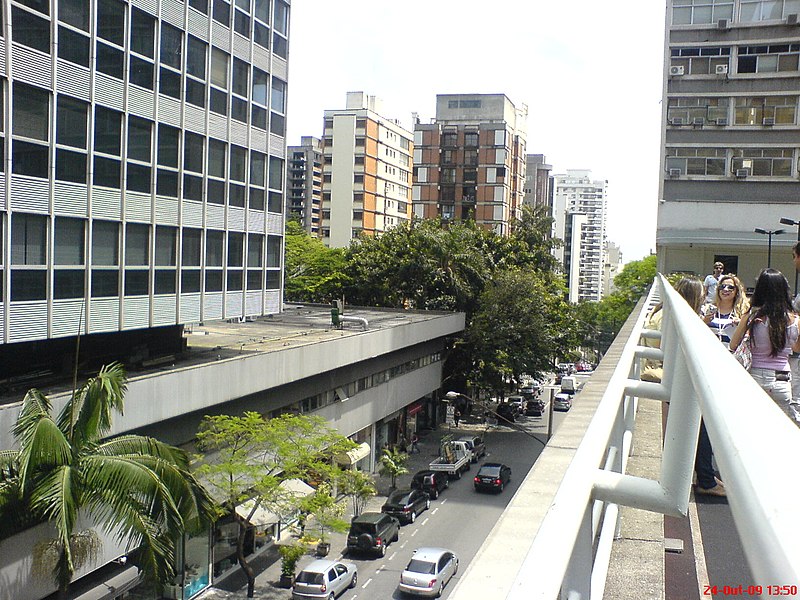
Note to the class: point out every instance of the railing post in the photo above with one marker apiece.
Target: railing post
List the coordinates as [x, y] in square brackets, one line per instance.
[577, 582]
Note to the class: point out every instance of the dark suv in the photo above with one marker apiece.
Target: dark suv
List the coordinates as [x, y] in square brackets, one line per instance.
[372, 532]
[431, 482]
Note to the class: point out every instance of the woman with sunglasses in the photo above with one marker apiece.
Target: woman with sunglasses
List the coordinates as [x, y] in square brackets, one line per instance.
[730, 303]
[773, 328]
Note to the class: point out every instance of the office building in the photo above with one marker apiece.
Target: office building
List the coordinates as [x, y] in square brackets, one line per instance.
[579, 219]
[538, 182]
[730, 135]
[469, 163]
[144, 145]
[367, 163]
[304, 184]
[613, 267]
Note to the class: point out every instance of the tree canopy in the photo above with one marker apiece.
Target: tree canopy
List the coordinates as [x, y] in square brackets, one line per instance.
[312, 272]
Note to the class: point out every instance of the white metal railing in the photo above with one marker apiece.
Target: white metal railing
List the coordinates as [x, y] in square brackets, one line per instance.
[567, 506]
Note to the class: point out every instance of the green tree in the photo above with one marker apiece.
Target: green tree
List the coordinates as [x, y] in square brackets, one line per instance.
[134, 486]
[393, 464]
[358, 486]
[247, 457]
[522, 322]
[312, 272]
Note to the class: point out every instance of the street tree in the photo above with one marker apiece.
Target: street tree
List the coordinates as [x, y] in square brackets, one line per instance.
[358, 486]
[392, 464]
[312, 272]
[247, 457]
[135, 487]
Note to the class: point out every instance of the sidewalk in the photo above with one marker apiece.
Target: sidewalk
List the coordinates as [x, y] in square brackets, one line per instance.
[267, 564]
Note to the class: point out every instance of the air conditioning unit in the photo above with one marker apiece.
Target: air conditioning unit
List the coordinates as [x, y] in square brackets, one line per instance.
[742, 173]
[698, 121]
[722, 24]
[722, 121]
[674, 172]
[676, 70]
[791, 19]
[721, 69]
[768, 121]
[676, 121]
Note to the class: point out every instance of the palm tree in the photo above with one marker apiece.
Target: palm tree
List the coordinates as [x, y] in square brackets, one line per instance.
[137, 487]
[393, 463]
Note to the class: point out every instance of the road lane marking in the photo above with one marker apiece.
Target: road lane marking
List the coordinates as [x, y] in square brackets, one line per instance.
[433, 512]
[444, 501]
[413, 533]
[403, 545]
[366, 583]
[393, 555]
[423, 523]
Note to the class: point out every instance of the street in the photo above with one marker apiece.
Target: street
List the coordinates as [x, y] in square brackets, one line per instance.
[461, 518]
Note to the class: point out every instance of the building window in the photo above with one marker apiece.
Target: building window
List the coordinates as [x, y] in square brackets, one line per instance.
[28, 239]
[139, 139]
[695, 12]
[700, 61]
[470, 139]
[696, 161]
[31, 112]
[168, 139]
[766, 110]
[141, 73]
[190, 250]
[73, 46]
[201, 5]
[683, 111]
[29, 30]
[143, 27]
[193, 155]
[111, 21]
[107, 130]
[255, 250]
[214, 248]
[110, 61]
[774, 58]
[105, 243]
[171, 46]
[71, 120]
[767, 10]
[765, 162]
[70, 166]
[137, 245]
[166, 246]
[74, 12]
[222, 12]
[196, 58]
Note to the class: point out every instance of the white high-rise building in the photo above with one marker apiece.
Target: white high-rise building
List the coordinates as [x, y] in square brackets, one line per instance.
[579, 213]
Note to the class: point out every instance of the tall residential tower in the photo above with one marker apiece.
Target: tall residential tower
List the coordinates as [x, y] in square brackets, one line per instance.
[470, 162]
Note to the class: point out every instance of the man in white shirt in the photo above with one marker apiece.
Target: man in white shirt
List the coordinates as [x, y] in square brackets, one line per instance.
[710, 282]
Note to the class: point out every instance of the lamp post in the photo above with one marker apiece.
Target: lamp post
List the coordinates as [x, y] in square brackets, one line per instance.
[769, 233]
[792, 222]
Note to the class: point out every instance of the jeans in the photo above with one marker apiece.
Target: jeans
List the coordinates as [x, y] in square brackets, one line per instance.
[706, 478]
[779, 391]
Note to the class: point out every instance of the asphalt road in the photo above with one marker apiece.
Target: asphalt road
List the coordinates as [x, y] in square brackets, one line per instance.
[460, 519]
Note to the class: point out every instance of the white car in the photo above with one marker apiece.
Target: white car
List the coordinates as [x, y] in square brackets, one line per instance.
[324, 579]
[428, 572]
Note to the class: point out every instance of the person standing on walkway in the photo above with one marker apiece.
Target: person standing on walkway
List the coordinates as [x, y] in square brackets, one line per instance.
[710, 282]
[414, 443]
[773, 328]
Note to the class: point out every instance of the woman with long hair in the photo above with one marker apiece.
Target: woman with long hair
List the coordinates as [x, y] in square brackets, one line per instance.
[724, 313]
[773, 328]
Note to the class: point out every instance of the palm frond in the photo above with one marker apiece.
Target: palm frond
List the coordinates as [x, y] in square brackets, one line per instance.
[42, 443]
[89, 413]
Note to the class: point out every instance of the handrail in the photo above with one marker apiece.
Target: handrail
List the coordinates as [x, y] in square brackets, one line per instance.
[579, 484]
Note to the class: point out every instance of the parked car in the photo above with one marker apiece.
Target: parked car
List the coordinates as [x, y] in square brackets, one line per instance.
[406, 504]
[372, 532]
[517, 404]
[428, 572]
[476, 445]
[431, 482]
[505, 413]
[492, 476]
[535, 408]
[324, 579]
[562, 402]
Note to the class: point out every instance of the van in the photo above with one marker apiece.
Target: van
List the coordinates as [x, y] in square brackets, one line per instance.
[569, 385]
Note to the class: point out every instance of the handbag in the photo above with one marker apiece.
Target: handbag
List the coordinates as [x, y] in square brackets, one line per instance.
[743, 353]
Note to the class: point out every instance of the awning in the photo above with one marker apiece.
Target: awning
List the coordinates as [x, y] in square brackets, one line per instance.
[414, 408]
[262, 517]
[113, 587]
[351, 457]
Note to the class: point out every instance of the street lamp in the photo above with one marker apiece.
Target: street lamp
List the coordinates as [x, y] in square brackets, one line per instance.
[770, 233]
[792, 222]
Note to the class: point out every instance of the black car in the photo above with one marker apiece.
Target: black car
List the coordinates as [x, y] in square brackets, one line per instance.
[406, 504]
[492, 476]
[430, 482]
[372, 532]
[505, 412]
[535, 407]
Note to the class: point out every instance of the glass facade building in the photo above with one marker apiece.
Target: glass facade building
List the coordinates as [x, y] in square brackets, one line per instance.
[143, 160]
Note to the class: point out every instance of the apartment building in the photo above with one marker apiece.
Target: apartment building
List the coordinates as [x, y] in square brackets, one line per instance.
[143, 181]
[367, 164]
[304, 184]
[538, 182]
[730, 134]
[579, 214]
[469, 163]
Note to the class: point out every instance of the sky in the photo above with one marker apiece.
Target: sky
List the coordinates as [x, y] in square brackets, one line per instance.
[590, 73]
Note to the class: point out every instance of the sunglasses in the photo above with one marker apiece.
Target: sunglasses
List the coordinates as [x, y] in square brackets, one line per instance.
[727, 287]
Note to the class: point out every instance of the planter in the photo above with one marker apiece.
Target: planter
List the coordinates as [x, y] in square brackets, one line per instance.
[323, 548]
[286, 581]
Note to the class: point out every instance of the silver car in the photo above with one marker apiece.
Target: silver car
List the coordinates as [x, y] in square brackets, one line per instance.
[324, 579]
[428, 572]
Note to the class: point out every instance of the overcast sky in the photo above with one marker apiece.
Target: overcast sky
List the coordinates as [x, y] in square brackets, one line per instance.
[590, 73]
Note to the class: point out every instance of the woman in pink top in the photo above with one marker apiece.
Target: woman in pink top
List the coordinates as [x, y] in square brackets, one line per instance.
[773, 327]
